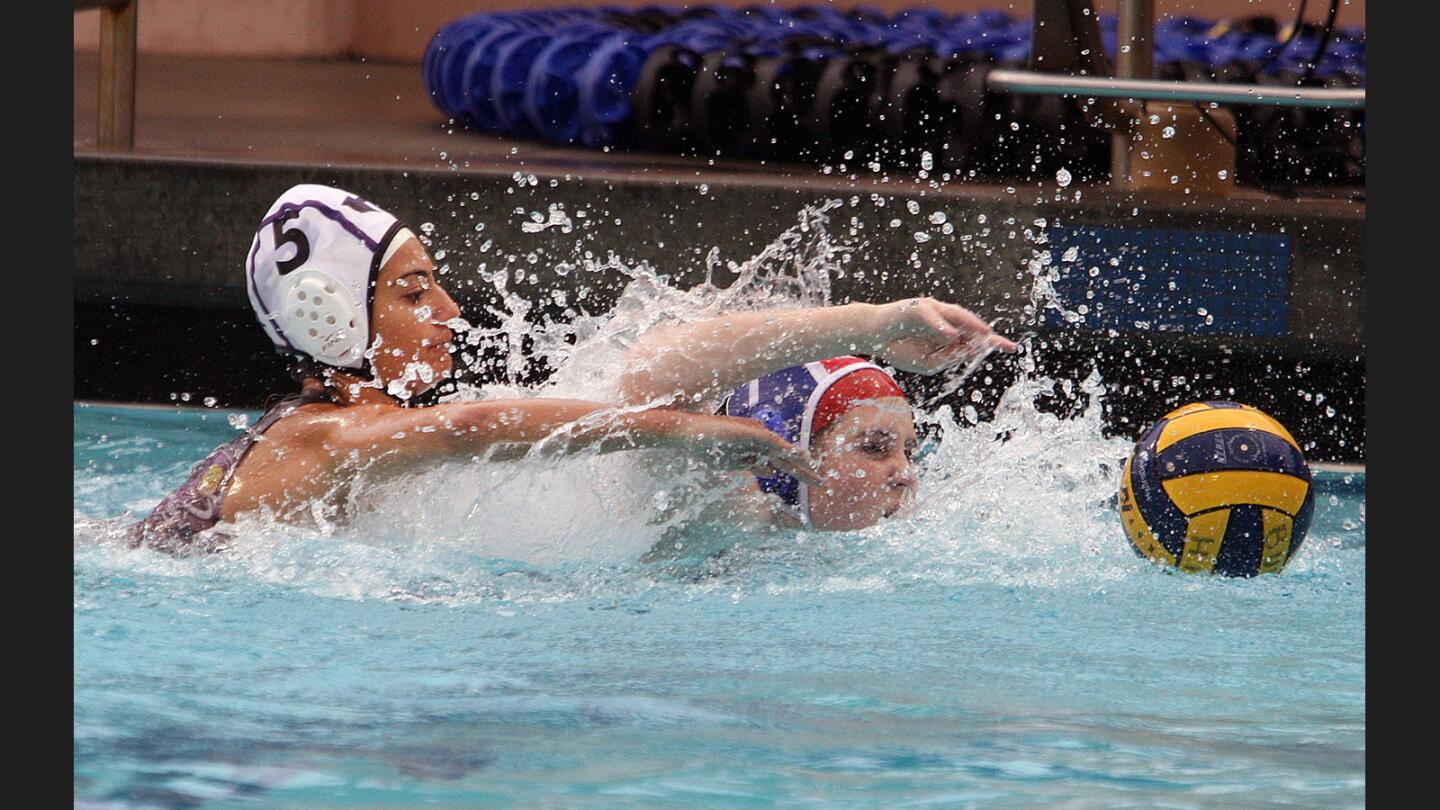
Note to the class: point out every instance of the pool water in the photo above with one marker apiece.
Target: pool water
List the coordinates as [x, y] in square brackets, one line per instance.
[998, 646]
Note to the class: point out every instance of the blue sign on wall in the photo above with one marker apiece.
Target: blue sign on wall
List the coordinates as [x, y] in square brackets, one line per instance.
[1181, 281]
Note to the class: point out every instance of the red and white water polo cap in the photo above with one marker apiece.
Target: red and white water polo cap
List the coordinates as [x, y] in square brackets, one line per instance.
[797, 402]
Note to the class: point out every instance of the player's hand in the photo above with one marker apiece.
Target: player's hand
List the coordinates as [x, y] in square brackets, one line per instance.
[925, 335]
[734, 443]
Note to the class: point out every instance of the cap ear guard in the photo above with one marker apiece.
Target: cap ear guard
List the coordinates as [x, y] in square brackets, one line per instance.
[783, 484]
[322, 318]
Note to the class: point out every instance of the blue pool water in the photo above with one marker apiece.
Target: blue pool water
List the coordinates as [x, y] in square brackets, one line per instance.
[1000, 647]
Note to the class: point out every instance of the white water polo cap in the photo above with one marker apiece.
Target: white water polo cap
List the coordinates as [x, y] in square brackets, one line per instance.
[311, 271]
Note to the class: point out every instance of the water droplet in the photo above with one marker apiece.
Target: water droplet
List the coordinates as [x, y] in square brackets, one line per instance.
[1063, 177]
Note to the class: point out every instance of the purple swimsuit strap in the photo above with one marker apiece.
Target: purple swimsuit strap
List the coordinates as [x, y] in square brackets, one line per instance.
[193, 508]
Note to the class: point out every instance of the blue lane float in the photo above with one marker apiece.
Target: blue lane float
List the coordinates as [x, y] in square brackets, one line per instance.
[817, 83]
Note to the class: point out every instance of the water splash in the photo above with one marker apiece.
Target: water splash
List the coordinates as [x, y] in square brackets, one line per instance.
[557, 219]
[1021, 500]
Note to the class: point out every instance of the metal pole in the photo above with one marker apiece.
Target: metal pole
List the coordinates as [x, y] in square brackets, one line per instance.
[118, 35]
[1026, 81]
[1135, 40]
[1134, 59]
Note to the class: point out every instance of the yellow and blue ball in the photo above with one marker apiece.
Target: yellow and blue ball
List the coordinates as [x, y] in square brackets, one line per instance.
[1217, 487]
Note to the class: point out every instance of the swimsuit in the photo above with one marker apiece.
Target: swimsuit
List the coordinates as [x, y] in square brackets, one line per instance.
[177, 523]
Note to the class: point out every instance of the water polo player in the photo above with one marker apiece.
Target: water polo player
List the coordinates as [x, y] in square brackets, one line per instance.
[781, 369]
[350, 294]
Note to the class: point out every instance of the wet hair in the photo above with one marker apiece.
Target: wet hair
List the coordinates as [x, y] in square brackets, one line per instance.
[314, 379]
[312, 376]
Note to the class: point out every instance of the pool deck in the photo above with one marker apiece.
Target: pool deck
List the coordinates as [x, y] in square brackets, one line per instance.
[156, 235]
[377, 115]
[216, 137]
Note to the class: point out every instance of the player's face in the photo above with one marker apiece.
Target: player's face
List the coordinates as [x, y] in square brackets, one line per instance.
[409, 316]
[865, 461]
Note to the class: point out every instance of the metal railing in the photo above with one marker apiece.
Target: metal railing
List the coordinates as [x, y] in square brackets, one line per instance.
[118, 36]
[1029, 81]
[1133, 67]
[1068, 58]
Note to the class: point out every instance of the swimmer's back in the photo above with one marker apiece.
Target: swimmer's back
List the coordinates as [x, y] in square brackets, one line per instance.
[182, 522]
